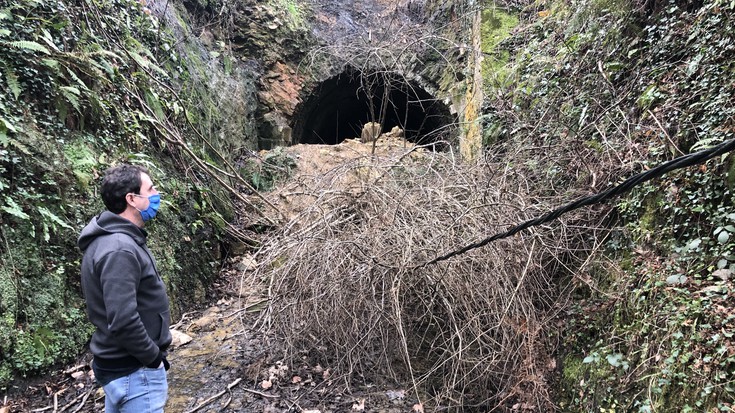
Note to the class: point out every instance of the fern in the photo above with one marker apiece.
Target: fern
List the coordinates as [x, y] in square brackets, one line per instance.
[107, 53]
[147, 64]
[12, 208]
[7, 125]
[106, 66]
[71, 89]
[77, 79]
[28, 45]
[72, 95]
[152, 99]
[53, 218]
[49, 40]
[103, 64]
[13, 83]
[51, 64]
[8, 141]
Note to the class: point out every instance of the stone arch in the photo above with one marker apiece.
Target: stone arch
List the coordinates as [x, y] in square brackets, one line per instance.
[338, 107]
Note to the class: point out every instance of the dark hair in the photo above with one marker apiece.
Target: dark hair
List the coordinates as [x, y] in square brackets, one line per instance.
[118, 182]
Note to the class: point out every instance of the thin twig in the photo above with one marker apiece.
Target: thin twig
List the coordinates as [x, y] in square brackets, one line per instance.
[209, 400]
[84, 400]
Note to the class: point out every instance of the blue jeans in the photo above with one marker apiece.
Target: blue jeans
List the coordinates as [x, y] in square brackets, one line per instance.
[143, 391]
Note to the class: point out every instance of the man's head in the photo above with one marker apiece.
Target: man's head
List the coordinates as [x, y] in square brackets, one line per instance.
[126, 190]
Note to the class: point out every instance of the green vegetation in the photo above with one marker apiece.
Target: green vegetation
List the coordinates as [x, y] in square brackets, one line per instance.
[274, 166]
[591, 90]
[496, 27]
[608, 88]
[294, 12]
[672, 327]
[86, 85]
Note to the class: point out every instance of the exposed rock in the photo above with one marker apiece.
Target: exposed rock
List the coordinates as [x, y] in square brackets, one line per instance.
[247, 263]
[274, 131]
[207, 38]
[207, 321]
[282, 94]
[396, 132]
[238, 248]
[370, 132]
[179, 338]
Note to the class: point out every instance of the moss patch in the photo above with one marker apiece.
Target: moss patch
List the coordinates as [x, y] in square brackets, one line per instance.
[496, 27]
[82, 161]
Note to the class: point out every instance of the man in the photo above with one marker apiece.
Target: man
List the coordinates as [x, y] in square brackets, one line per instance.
[126, 298]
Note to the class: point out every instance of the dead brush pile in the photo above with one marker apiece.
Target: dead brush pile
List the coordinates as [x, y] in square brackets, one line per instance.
[348, 290]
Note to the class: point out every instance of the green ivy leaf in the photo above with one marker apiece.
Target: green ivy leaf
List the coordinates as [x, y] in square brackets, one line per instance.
[49, 40]
[694, 244]
[723, 237]
[676, 279]
[615, 359]
[694, 64]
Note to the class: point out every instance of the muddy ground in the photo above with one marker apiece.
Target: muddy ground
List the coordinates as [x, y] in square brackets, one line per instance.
[227, 367]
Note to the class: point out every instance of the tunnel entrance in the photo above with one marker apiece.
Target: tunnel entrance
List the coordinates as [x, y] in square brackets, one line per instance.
[340, 106]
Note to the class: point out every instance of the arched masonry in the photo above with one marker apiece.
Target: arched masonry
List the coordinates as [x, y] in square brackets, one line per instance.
[338, 107]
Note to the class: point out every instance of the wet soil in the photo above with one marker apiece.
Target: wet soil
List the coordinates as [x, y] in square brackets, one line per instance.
[226, 367]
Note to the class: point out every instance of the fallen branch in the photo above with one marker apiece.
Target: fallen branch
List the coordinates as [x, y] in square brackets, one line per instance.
[261, 394]
[84, 400]
[68, 405]
[246, 308]
[211, 399]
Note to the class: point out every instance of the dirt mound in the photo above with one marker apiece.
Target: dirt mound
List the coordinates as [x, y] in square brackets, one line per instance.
[346, 166]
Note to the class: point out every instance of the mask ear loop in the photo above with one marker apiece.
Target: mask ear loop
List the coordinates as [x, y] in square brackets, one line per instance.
[135, 196]
[130, 202]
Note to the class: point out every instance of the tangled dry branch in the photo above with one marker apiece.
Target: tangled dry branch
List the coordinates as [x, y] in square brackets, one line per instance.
[476, 330]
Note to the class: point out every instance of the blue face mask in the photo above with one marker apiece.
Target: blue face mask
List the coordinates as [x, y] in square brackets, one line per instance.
[153, 205]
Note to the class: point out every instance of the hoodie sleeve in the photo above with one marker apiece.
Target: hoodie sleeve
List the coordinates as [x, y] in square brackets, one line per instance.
[120, 274]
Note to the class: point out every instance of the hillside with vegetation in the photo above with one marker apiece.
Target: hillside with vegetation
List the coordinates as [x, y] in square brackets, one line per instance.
[592, 92]
[625, 305]
[86, 86]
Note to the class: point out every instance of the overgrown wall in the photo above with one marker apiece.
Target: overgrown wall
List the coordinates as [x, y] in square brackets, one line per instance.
[86, 85]
[594, 91]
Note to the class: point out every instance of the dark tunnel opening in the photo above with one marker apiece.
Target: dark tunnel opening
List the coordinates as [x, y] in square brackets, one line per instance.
[340, 106]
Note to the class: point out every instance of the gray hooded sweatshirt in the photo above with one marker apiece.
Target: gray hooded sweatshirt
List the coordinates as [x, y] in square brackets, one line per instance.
[126, 298]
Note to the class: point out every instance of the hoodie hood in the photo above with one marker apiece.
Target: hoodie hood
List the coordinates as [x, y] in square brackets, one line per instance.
[108, 223]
